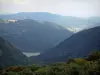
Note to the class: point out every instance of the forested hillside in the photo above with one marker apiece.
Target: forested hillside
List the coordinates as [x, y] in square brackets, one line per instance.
[89, 65]
[78, 45]
[9, 55]
[32, 36]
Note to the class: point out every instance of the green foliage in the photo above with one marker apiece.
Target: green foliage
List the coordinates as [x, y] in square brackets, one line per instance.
[12, 73]
[26, 71]
[70, 60]
[93, 56]
[80, 61]
[34, 67]
[15, 68]
[77, 66]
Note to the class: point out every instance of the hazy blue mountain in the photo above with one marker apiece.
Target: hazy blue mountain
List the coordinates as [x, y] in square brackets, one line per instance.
[66, 21]
[2, 21]
[78, 45]
[9, 55]
[93, 22]
[29, 35]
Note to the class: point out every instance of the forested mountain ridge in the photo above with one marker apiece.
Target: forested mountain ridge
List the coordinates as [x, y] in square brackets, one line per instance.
[32, 36]
[9, 55]
[78, 45]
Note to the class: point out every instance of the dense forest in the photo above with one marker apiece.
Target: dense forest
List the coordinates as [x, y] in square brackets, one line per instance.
[89, 65]
[32, 36]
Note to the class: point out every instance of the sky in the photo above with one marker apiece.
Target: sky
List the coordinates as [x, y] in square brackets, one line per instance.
[78, 8]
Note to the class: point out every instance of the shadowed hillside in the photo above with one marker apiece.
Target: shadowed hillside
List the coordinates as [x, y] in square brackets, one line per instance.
[9, 55]
[78, 45]
[32, 36]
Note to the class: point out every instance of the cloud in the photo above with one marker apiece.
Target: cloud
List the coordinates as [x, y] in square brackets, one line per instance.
[79, 8]
[12, 1]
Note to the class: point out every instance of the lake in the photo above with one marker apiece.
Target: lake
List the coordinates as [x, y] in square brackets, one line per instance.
[28, 54]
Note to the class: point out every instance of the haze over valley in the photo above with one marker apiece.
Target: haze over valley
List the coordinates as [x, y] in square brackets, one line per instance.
[49, 37]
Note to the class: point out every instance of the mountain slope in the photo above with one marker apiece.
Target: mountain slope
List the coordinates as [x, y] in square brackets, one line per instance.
[65, 21]
[9, 55]
[78, 45]
[29, 35]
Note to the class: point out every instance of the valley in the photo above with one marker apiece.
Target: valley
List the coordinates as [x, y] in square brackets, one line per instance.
[50, 44]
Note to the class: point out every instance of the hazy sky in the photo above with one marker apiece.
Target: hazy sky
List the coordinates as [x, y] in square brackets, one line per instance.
[78, 8]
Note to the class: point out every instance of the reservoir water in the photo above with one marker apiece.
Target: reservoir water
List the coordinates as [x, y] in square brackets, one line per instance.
[28, 54]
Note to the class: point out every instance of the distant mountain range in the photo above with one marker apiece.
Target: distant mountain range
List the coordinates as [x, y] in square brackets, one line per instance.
[32, 36]
[47, 33]
[78, 45]
[65, 21]
[9, 55]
